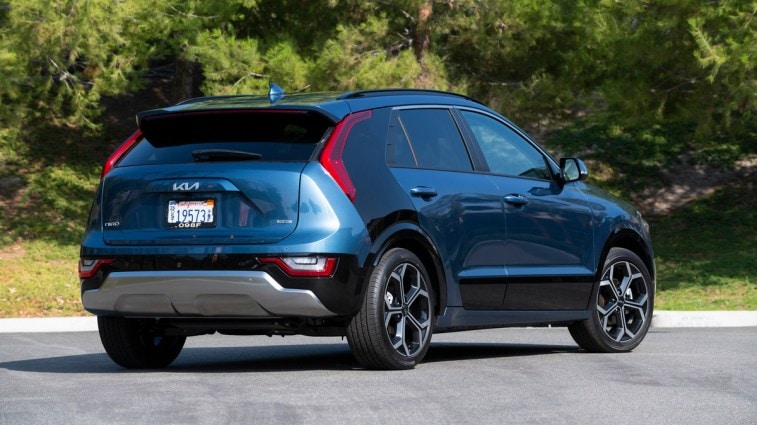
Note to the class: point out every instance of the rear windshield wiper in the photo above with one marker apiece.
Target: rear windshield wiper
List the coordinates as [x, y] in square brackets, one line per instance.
[202, 155]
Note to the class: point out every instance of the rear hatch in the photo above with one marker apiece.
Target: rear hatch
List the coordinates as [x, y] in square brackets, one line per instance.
[211, 177]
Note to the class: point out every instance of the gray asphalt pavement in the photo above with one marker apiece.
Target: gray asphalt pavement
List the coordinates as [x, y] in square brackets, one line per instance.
[676, 376]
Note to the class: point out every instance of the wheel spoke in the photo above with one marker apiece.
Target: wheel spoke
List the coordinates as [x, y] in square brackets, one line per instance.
[392, 308]
[623, 287]
[417, 293]
[399, 337]
[401, 273]
[412, 294]
[628, 332]
[389, 316]
[639, 304]
[606, 315]
[609, 311]
[611, 277]
[421, 326]
[607, 285]
[613, 324]
[627, 280]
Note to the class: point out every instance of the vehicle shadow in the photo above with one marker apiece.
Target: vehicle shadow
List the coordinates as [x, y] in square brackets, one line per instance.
[460, 351]
[284, 358]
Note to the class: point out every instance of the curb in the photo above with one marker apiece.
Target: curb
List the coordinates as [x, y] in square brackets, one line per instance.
[660, 319]
[703, 319]
[49, 324]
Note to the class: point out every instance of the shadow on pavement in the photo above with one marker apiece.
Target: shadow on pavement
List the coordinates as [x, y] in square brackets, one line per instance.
[459, 351]
[284, 358]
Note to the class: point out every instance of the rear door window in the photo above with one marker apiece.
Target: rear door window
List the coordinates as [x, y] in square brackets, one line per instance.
[398, 150]
[427, 138]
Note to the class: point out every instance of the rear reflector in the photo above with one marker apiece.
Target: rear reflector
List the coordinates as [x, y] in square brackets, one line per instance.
[331, 158]
[303, 266]
[89, 268]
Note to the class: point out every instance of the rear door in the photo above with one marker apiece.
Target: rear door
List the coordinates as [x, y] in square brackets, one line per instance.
[548, 251]
[460, 210]
[220, 177]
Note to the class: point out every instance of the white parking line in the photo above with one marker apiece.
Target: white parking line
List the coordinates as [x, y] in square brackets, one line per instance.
[661, 319]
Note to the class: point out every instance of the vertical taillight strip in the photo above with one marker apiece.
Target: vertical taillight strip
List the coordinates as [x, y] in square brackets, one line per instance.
[331, 157]
[119, 153]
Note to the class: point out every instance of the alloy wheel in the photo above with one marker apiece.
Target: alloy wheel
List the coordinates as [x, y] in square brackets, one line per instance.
[623, 301]
[407, 310]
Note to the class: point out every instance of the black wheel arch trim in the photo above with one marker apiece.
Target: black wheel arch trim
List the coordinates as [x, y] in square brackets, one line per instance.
[632, 241]
[410, 236]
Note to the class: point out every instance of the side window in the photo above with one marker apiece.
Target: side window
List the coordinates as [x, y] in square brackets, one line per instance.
[504, 150]
[398, 151]
[435, 140]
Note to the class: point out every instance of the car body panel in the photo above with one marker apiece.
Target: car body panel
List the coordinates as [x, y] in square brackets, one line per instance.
[492, 261]
[464, 220]
[254, 203]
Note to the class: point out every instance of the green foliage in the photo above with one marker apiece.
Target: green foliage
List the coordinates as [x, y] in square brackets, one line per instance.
[48, 199]
[363, 52]
[359, 58]
[287, 67]
[68, 54]
[532, 60]
[705, 252]
[727, 51]
[629, 159]
[638, 62]
[230, 66]
[632, 86]
[622, 159]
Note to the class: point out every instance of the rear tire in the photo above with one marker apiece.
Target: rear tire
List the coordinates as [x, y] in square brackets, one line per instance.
[622, 306]
[393, 328]
[133, 344]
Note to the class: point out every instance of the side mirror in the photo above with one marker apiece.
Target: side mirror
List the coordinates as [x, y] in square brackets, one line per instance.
[572, 170]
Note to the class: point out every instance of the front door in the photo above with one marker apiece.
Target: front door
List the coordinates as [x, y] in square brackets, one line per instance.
[548, 252]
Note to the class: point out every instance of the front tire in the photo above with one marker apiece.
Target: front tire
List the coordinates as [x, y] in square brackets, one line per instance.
[622, 306]
[133, 344]
[393, 328]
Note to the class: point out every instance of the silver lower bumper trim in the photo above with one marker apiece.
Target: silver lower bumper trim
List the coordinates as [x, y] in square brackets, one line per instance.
[201, 293]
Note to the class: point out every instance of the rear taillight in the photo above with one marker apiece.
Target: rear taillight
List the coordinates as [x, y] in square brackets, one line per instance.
[119, 153]
[89, 268]
[310, 266]
[331, 157]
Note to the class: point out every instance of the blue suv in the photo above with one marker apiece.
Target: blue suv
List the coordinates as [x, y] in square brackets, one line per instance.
[382, 215]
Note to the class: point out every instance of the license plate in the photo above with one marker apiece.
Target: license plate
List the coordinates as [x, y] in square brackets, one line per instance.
[191, 214]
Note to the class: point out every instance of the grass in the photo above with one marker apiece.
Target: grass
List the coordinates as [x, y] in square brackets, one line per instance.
[705, 251]
[39, 279]
[47, 187]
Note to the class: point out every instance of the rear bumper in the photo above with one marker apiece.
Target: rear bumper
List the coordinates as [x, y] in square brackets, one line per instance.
[213, 293]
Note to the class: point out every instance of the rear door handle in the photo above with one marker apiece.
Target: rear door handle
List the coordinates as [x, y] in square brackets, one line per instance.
[515, 199]
[423, 191]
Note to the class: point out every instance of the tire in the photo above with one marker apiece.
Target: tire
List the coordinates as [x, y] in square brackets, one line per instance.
[393, 328]
[131, 343]
[621, 306]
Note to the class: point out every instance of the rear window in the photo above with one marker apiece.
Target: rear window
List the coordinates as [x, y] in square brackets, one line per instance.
[273, 135]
